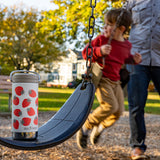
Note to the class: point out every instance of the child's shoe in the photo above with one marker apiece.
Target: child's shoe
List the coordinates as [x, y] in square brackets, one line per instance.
[95, 135]
[81, 139]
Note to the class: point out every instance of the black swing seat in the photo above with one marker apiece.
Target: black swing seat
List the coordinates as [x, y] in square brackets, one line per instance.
[66, 122]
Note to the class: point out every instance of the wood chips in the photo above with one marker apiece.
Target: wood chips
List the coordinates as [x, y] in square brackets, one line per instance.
[113, 145]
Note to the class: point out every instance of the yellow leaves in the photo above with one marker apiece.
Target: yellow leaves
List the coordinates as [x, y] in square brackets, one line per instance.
[117, 4]
[3, 40]
[5, 9]
[103, 5]
[30, 13]
[72, 16]
[10, 43]
[13, 34]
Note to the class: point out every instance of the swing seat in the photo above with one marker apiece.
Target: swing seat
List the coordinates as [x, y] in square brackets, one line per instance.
[66, 122]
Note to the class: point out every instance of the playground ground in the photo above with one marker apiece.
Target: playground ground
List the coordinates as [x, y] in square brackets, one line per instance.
[113, 145]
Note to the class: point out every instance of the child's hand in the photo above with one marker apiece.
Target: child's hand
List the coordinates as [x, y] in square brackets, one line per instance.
[106, 49]
[137, 58]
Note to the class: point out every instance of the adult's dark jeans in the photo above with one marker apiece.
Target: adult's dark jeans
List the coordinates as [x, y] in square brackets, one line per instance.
[137, 96]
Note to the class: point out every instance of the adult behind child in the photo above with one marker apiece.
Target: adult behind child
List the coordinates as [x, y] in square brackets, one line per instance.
[145, 39]
[109, 92]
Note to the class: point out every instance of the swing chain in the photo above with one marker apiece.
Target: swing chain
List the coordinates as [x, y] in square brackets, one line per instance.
[90, 36]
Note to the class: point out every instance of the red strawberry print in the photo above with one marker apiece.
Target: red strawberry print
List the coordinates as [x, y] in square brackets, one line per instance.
[15, 100]
[30, 111]
[26, 103]
[35, 120]
[17, 112]
[19, 90]
[32, 93]
[26, 121]
[36, 102]
[15, 124]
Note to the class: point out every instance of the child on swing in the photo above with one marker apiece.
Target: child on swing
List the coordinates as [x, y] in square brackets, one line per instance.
[109, 92]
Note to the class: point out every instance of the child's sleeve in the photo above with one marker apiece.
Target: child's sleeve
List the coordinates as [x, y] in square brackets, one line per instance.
[96, 49]
[130, 60]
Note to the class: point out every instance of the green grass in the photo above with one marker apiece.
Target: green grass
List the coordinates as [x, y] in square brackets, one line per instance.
[51, 99]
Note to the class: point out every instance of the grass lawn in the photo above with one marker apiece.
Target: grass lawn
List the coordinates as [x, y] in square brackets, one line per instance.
[51, 99]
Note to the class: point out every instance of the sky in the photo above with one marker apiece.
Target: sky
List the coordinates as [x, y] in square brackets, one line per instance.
[37, 4]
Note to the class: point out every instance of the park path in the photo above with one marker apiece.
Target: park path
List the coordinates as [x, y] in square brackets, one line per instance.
[113, 145]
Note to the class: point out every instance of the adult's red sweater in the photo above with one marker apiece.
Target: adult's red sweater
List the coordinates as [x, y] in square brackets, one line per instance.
[119, 55]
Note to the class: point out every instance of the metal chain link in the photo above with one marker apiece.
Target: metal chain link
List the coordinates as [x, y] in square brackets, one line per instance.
[90, 36]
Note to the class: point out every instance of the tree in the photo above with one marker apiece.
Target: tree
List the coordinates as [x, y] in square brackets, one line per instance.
[22, 41]
[27, 37]
[70, 19]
